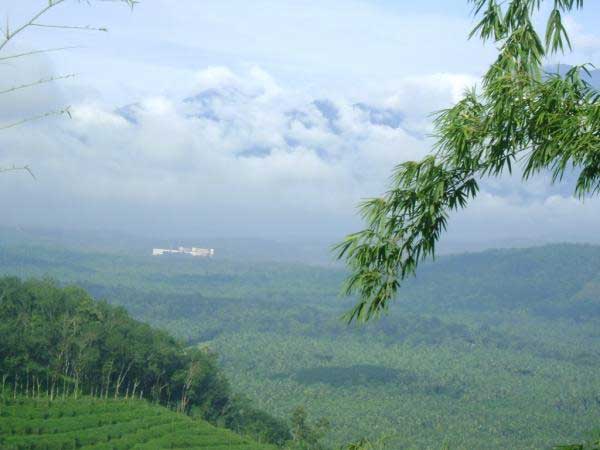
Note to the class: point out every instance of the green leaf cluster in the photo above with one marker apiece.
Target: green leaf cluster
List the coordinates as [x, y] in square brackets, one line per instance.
[520, 115]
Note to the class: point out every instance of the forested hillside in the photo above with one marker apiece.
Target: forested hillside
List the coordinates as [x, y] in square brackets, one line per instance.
[62, 343]
[494, 350]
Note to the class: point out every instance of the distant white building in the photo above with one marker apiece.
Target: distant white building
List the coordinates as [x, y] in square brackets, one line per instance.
[193, 251]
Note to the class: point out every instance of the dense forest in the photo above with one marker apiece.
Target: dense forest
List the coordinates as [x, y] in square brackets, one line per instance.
[61, 342]
[477, 354]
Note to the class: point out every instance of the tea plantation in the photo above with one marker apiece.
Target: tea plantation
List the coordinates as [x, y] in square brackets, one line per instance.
[108, 424]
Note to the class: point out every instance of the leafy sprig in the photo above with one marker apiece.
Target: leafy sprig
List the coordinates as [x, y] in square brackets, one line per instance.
[520, 115]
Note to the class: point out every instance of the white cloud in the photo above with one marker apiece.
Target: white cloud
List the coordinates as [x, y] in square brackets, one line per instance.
[243, 154]
[39, 97]
[494, 220]
[581, 39]
[237, 142]
[301, 110]
[332, 46]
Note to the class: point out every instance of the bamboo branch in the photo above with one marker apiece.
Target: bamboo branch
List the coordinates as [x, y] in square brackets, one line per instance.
[36, 83]
[17, 168]
[10, 35]
[36, 52]
[70, 27]
[57, 112]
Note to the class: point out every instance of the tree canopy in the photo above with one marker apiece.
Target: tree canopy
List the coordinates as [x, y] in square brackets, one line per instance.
[60, 340]
[520, 115]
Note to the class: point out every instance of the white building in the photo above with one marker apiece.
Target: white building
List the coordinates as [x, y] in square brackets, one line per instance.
[193, 251]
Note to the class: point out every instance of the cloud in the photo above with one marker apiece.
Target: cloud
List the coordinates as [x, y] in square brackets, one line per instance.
[585, 40]
[238, 142]
[581, 39]
[19, 102]
[242, 154]
[333, 46]
[495, 220]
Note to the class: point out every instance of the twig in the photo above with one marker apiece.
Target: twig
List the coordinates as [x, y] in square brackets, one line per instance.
[69, 27]
[35, 52]
[9, 35]
[57, 112]
[16, 169]
[36, 83]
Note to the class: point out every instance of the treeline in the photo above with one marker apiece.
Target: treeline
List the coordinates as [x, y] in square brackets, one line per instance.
[59, 342]
[226, 316]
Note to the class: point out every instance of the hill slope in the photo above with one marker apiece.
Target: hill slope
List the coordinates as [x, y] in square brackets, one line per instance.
[91, 423]
[66, 344]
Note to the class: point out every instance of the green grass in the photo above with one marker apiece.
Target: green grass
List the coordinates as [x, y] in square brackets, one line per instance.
[89, 423]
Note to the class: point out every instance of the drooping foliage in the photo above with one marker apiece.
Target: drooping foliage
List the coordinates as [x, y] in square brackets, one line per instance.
[521, 114]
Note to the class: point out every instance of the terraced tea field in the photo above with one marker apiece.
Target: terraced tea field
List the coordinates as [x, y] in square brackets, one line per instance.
[91, 423]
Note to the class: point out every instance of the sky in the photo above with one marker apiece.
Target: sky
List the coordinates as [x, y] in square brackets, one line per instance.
[263, 119]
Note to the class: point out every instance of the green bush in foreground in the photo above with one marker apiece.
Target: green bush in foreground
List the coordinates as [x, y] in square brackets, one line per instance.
[107, 424]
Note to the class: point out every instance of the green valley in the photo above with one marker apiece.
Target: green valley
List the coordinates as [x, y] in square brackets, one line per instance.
[489, 350]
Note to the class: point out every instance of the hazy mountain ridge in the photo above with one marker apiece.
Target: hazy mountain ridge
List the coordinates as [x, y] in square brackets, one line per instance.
[531, 277]
[560, 274]
[593, 77]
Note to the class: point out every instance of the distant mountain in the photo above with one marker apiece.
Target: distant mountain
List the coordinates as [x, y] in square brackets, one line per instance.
[315, 251]
[593, 78]
[388, 117]
[554, 281]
